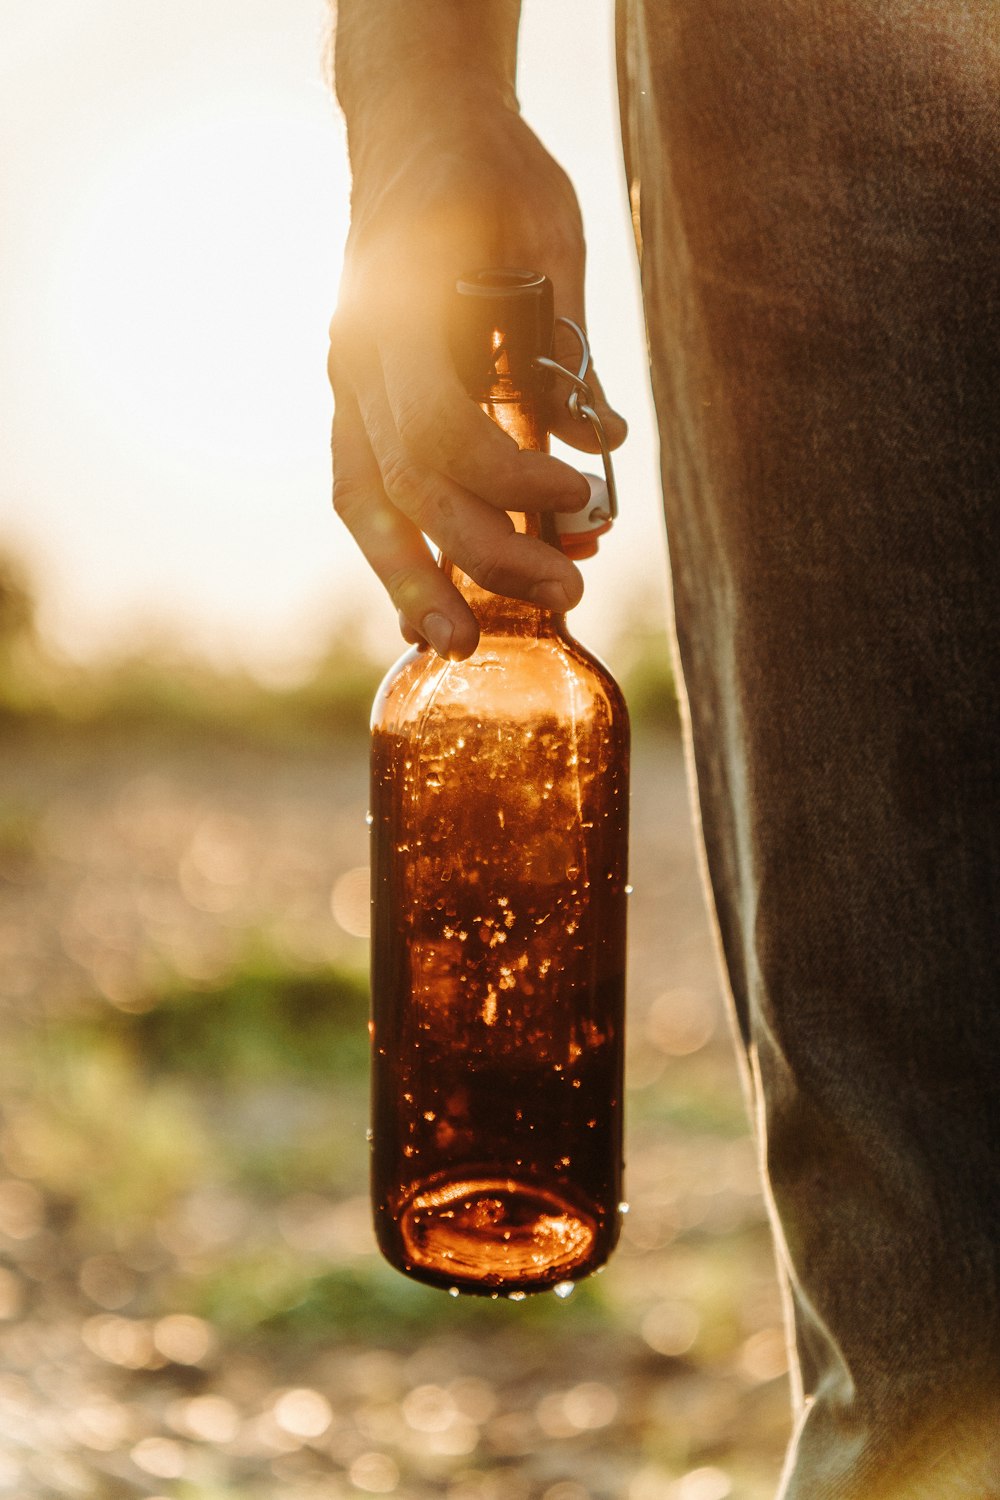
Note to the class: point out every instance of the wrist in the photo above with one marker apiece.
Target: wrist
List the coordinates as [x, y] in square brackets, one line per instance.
[435, 105]
[395, 62]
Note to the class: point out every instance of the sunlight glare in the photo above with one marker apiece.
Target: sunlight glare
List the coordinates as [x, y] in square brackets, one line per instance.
[194, 289]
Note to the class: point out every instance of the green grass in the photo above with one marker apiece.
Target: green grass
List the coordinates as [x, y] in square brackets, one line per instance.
[263, 1023]
[254, 1090]
[275, 1297]
[162, 690]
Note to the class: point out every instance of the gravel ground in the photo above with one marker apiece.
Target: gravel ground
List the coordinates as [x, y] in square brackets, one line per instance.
[125, 1248]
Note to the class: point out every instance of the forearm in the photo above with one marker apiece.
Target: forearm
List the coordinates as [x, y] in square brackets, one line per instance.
[390, 53]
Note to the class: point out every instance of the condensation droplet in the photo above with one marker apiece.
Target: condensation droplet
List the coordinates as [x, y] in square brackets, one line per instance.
[564, 1288]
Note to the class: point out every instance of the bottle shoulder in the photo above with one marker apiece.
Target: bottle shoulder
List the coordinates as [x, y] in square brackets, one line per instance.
[507, 678]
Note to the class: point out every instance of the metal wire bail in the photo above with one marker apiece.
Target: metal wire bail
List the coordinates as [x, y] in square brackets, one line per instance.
[580, 403]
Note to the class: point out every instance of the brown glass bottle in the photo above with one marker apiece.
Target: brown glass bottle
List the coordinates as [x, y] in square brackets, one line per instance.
[499, 809]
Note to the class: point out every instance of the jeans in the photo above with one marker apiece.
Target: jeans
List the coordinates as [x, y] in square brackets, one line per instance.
[816, 192]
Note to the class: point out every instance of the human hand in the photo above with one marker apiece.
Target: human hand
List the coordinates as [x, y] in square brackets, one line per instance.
[456, 186]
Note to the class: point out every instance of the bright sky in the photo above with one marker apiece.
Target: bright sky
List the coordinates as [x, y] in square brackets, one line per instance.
[173, 207]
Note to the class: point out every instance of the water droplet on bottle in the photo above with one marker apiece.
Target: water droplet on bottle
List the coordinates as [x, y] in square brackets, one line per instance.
[516, 1296]
[369, 818]
[453, 1291]
[369, 1135]
[564, 1288]
[629, 889]
[623, 1208]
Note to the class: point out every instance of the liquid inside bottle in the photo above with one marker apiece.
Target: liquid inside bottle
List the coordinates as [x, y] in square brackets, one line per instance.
[499, 827]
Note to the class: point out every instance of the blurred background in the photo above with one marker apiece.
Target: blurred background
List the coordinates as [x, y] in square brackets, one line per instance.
[190, 1301]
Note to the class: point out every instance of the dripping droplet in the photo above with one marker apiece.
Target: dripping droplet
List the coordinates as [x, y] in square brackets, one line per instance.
[564, 1288]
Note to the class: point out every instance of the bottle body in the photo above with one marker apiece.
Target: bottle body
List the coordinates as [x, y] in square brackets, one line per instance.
[500, 807]
[499, 804]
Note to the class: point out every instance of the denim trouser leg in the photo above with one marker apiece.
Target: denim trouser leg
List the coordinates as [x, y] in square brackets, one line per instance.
[817, 191]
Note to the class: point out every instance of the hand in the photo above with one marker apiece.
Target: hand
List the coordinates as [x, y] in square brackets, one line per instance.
[414, 456]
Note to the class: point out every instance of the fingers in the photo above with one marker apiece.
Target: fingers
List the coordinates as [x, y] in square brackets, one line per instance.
[441, 427]
[479, 537]
[431, 606]
[387, 502]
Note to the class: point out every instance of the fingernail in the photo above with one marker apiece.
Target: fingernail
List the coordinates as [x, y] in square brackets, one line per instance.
[550, 595]
[439, 631]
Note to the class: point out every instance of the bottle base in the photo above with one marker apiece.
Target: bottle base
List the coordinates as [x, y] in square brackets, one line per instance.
[487, 1234]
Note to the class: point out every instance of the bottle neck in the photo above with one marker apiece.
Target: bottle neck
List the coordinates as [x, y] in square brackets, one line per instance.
[520, 417]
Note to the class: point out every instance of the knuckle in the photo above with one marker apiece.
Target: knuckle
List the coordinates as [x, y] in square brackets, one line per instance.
[411, 422]
[490, 572]
[341, 350]
[403, 585]
[334, 367]
[349, 497]
[424, 426]
[406, 484]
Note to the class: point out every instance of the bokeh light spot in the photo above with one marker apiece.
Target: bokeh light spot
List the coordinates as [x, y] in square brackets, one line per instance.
[670, 1328]
[184, 1339]
[351, 901]
[22, 1209]
[701, 1484]
[107, 1282]
[159, 1456]
[764, 1356]
[376, 1473]
[429, 1408]
[212, 1419]
[127, 1342]
[680, 1022]
[302, 1412]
